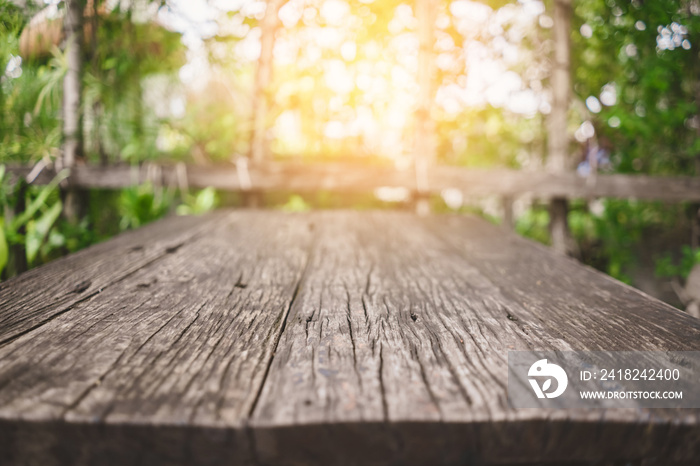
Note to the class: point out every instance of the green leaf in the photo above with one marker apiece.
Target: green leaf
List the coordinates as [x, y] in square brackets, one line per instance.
[109, 63]
[38, 231]
[206, 200]
[37, 203]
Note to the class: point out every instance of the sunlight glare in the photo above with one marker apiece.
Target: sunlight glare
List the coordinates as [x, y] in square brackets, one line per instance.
[335, 82]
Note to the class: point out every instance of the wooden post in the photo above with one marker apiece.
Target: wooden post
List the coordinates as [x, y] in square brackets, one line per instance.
[695, 208]
[558, 226]
[263, 76]
[252, 199]
[72, 91]
[558, 139]
[424, 147]
[508, 219]
[695, 226]
[695, 221]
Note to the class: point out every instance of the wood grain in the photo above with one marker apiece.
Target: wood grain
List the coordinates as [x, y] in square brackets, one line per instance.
[405, 324]
[38, 295]
[574, 305]
[327, 338]
[185, 341]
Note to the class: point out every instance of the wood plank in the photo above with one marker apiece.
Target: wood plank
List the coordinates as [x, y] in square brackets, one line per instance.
[395, 350]
[571, 304]
[475, 182]
[35, 297]
[357, 177]
[331, 338]
[182, 344]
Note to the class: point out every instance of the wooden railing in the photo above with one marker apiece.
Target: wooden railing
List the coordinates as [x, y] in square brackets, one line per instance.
[347, 177]
[254, 178]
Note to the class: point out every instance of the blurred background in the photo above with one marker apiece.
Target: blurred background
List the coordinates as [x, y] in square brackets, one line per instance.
[466, 85]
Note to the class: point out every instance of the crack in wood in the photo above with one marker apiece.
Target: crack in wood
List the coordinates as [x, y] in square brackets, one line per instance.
[281, 331]
[6, 327]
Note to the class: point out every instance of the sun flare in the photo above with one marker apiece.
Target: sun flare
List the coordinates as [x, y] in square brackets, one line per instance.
[344, 74]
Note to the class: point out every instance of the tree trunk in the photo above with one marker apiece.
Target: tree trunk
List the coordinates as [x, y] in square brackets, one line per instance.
[72, 124]
[558, 138]
[263, 76]
[424, 144]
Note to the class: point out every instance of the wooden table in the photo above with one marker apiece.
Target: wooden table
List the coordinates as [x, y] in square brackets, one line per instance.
[251, 337]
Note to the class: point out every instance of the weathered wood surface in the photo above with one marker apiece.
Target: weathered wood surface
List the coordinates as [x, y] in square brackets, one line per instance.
[322, 338]
[41, 294]
[347, 177]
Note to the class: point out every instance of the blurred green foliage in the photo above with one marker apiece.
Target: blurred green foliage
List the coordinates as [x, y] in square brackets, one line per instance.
[199, 203]
[142, 204]
[33, 226]
[667, 267]
[647, 52]
[119, 126]
[29, 95]
[534, 224]
[637, 59]
[295, 204]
